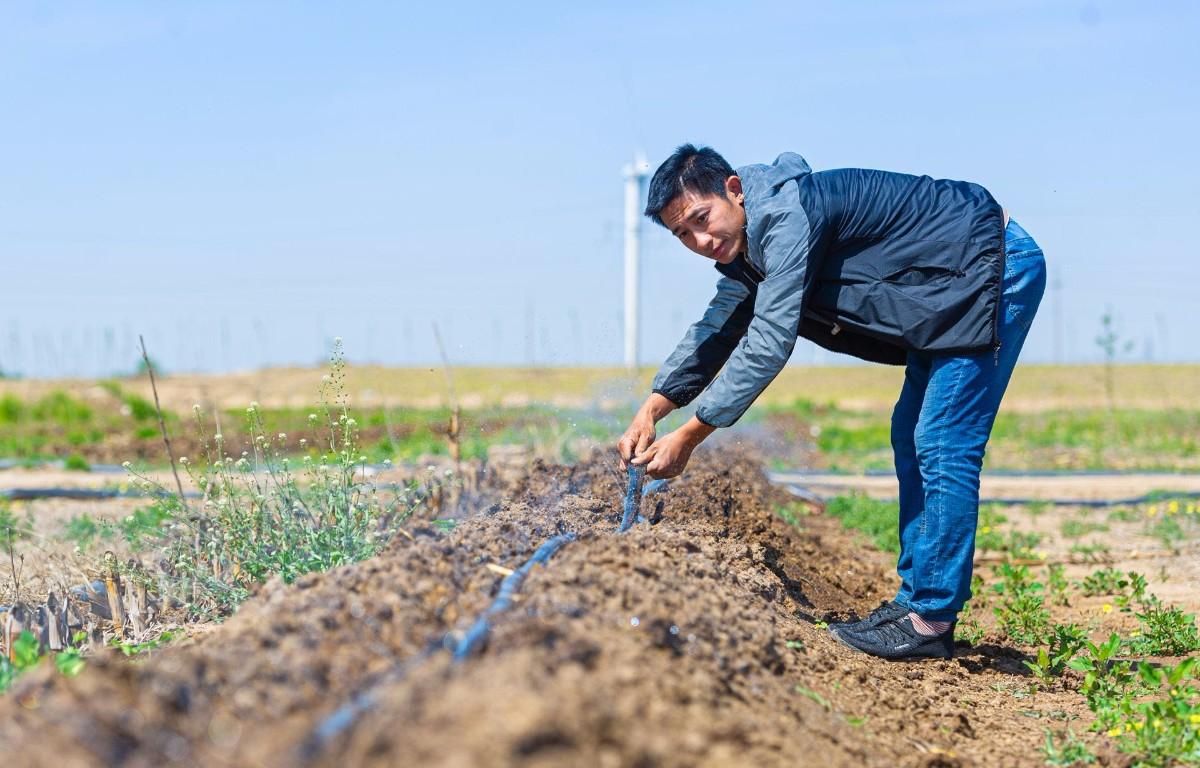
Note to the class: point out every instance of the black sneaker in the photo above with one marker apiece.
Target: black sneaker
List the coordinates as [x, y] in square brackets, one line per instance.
[898, 639]
[887, 611]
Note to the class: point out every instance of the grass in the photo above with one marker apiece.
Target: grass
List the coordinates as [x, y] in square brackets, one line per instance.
[1067, 439]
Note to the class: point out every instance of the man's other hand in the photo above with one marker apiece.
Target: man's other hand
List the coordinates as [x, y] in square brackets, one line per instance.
[636, 439]
[669, 455]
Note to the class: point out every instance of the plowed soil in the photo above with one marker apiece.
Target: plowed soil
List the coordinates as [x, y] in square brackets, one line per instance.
[692, 641]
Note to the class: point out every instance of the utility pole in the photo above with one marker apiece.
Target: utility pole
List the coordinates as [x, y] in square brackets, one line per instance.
[634, 174]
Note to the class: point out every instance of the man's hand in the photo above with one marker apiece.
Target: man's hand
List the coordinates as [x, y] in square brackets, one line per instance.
[636, 439]
[641, 430]
[669, 455]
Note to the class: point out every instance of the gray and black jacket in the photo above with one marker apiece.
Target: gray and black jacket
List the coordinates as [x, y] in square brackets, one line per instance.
[869, 263]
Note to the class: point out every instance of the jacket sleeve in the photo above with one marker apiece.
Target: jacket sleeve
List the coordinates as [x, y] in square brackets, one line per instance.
[707, 344]
[771, 335]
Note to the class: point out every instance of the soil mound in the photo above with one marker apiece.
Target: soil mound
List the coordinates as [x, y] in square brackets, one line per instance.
[690, 640]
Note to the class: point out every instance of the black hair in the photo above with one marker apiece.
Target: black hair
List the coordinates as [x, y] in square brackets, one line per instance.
[701, 171]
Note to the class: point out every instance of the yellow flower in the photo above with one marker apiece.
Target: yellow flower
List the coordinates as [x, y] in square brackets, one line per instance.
[1194, 718]
[986, 529]
[1107, 608]
[1115, 731]
[1151, 511]
[1173, 508]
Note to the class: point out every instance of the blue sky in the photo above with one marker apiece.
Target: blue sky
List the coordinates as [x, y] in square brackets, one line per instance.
[241, 182]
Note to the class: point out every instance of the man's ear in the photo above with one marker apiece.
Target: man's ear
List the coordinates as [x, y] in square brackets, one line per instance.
[733, 189]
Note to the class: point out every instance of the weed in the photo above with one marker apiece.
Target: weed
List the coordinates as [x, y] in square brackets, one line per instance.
[1065, 640]
[260, 518]
[1123, 515]
[77, 463]
[1105, 581]
[1091, 552]
[1107, 681]
[791, 513]
[968, 629]
[134, 649]
[1021, 613]
[1057, 584]
[1166, 631]
[1070, 751]
[811, 694]
[1168, 531]
[25, 657]
[877, 519]
[1074, 529]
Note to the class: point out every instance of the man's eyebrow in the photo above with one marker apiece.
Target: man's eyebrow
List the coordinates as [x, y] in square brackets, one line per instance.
[689, 217]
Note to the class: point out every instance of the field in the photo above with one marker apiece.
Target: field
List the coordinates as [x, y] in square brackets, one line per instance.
[317, 601]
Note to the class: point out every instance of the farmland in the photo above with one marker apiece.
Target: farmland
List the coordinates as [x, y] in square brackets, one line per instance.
[340, 535]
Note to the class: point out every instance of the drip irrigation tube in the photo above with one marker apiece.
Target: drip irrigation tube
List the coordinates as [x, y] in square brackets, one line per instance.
[477, 635]
[31, 494]
[344, 717]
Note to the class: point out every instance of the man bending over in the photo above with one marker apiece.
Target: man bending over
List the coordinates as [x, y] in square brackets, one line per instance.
[904, 270]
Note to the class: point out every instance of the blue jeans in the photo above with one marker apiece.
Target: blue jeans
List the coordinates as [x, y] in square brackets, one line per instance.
[940, 427]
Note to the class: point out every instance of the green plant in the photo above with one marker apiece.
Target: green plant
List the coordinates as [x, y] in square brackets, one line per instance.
[1057, 584]
[1107, 681]
[1168, 531]
[1073, 529]
[77, 463]
[1069, 751]
[1065, 640]
[1021, 613]
[1166, 631]
[877, 519]
[1160, 729]
[1105, 581]
[261, 518]
[25, 656]
[83, 530]
[968, 629]
[133, 649]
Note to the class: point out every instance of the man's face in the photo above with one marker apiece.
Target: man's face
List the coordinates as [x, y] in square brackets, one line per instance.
[711, 226]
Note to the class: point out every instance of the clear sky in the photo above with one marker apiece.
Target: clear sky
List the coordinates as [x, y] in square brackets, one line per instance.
[243, 181]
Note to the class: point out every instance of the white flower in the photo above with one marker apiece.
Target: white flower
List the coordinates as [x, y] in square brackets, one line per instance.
[218, 437]
[337, 340]
[312, 417]
[126, 464]
[183, 459]
[196, 407]
[283, 435]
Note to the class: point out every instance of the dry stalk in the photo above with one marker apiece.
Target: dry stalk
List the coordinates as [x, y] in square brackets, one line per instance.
[112, 588]
[162, 425]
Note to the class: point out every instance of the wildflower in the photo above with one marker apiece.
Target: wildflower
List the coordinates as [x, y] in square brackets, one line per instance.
[1114, 731]
[1152, 510]
[1194, 718]
[337, 340]
[126, 464]
[362, 459]
[183, 459]
[218, 437]
[1173, 508]
[351, 423]
[387, 462]
[986, 529]
[196, 408]
[1106, 608]
[282, 436]
[312, 417]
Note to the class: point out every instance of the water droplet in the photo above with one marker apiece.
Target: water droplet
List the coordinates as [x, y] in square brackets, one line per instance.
[633, 622]
[674, 630]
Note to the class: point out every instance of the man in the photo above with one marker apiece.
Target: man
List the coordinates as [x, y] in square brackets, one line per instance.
[891, 268]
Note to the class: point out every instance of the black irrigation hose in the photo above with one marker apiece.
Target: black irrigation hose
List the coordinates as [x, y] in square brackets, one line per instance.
[31, 494]
[344, 717]
[477, 635]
